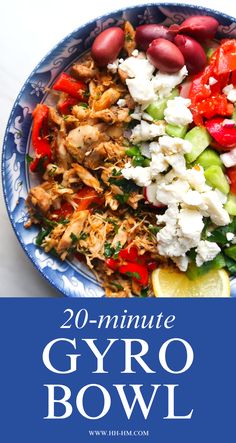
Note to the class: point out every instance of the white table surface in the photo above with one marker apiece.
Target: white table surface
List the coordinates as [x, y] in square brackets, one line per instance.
[28, 30]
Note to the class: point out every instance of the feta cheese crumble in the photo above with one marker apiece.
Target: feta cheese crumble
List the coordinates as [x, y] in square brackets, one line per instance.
[146, 131]
[229, 158]
[229, 236]
[177, 112]
[140, 175]
[206, 251]
[230, 93]
[164, 83]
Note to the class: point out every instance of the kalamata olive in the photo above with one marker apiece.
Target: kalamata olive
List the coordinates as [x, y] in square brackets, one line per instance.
[145, 34]
[200, 27]
[194, 55]
[165, 56]
[107, 45]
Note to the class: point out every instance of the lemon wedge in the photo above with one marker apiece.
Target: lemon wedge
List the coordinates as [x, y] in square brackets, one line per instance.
[171, 283]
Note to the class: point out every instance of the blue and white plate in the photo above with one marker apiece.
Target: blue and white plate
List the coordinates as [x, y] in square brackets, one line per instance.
[73, 279]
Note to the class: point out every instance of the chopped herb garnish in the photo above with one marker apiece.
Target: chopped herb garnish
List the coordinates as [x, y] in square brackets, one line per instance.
[117, 250]
[116, 172]
[128, 38]
[117, 285]
[230, 265]
[29, 159]
[133, 275]
[63, 221]
[133, 151]
[41, 236]
[108, 250]
[122, 198]
[125, 185]
[52, 171]
[144, 292]
[113, 222]
[154, 229]
[74, 238]
[84, 105]
[83, 236]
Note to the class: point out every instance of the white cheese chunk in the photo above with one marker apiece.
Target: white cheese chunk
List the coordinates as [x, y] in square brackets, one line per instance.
[206, 251]
[192, 198]
[172, 192]
[113, 67]
[182, 262]
[140, 175]
[214, 208]
[177, 112]
[146, 131]
[190, 222]
[164, 83]
[137, 67]
[229, 158]
[229, 236]
[141, 90]
[173, 145]
[230, 93]
[212, 81]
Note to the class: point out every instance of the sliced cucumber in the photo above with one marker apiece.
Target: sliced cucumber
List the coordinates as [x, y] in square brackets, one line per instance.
[156, 109]
[231, 252]
[216, 178]
[200, 139]
[230, 205]
[193, 272]
[210, 52]
[234, 115]
[208, 158]
[176, 131]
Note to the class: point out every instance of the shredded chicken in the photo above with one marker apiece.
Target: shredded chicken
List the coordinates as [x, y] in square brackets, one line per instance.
[84, 205]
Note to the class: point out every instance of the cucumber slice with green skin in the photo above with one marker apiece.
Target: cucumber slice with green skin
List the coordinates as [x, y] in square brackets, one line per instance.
[210, 52]
[176, 131]
[231, 252]
[194, 271]
[156, 109]
[208, 158]
[200, 139]
[234, 115]
[230, 205]
[216, 178]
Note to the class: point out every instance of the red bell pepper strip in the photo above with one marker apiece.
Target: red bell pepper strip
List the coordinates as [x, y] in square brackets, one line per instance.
[129, 254]
[137, 272]
[40, 136]
[65, 210]
[112, 263]
[231, 173]
[86, 197]
[65, 107]
[75, 88]
[225, 136]
[224, 58]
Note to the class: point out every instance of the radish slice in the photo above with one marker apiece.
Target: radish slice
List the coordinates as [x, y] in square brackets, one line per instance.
[150, 195]
[185, 88]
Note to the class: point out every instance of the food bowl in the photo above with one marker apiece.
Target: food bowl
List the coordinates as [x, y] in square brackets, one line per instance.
[72, 278]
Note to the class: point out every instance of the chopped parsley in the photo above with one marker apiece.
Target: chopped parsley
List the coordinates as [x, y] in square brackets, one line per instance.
[29, 159]
[133, 275]
[108, 250]
[122, 198]
[41, 236]
[74, 238]
[117, 285]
